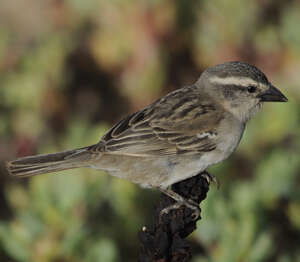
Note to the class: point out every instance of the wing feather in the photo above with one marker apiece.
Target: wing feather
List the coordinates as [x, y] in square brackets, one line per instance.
[180, 123]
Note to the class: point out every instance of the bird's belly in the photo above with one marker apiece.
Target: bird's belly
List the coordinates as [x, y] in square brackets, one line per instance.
[185, 167]
[147, 172]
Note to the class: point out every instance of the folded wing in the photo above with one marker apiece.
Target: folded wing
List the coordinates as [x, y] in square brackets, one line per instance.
[180, 123]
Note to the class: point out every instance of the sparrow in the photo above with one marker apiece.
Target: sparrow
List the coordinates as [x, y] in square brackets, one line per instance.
[174, 138]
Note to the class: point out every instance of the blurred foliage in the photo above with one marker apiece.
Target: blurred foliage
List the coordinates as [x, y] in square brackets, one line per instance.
[70, 69]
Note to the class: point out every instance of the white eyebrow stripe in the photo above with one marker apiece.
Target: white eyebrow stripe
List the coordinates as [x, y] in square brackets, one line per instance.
[231, 80]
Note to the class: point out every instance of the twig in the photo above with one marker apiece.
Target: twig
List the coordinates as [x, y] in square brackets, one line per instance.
[166, 242]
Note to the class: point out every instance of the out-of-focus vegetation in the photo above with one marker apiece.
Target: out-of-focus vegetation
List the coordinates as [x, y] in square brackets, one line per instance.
[70, 69]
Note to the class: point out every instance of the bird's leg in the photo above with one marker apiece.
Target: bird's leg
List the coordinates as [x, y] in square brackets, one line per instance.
[180, 201]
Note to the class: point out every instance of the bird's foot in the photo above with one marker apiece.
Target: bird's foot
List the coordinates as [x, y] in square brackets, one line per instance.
[180, 201]
[187, 203]
[211, 179]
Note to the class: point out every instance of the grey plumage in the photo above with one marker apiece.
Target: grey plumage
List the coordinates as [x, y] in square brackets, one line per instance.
[41, 164]
[174, 138]
[238, 69]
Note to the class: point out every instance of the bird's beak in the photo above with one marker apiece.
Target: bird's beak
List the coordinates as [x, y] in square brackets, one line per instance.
[272, 94]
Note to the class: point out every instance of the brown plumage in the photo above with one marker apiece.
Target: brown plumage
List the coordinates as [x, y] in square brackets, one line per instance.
[175, 137]
[151, 132]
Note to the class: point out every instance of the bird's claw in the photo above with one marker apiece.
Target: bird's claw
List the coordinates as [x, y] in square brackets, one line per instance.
[187, 203]
[211, 179]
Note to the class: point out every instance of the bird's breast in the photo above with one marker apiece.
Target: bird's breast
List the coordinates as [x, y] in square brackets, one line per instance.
[230, 134]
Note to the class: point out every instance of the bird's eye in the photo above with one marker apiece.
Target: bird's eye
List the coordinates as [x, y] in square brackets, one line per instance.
[251, 89]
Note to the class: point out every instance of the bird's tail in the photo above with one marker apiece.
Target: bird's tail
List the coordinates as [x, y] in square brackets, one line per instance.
[41, 164]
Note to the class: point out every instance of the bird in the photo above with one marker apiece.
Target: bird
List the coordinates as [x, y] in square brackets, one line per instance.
[176, 137]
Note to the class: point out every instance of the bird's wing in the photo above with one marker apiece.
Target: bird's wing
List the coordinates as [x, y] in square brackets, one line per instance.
[182, 122]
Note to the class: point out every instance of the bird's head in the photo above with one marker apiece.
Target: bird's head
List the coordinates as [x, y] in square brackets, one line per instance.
[239, 87]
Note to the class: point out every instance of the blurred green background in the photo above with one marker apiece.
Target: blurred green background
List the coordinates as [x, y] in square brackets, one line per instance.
[70, 69]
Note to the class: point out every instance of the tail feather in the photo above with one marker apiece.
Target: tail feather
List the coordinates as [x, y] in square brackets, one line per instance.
[41, 164]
